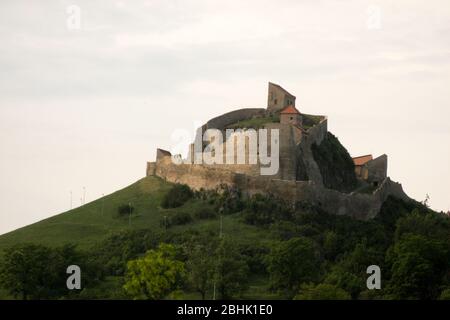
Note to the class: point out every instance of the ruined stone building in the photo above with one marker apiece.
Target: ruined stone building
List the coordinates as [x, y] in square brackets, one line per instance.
[300, 174]
[374, 171]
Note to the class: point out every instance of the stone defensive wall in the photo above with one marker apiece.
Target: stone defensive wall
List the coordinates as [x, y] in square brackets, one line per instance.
[357, 205]
[315, 134]
[196, 176]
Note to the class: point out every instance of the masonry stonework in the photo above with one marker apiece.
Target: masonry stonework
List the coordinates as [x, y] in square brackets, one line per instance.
[295, 160]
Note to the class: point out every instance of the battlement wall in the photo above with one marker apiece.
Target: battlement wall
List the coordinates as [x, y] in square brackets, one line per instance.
[356, 205]
[317, 133]
[194, 175]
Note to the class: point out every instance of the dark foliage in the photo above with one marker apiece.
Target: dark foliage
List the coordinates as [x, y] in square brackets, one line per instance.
[266, 209]
[335, 164]
[178, 195]
[114, 252]
[29, 271]
[176, 219]
[125, 210]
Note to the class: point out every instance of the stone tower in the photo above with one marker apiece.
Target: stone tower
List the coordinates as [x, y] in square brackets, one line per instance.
[290, 115]
[278, 98]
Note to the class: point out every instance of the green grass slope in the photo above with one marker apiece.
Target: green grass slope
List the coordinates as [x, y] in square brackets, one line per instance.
[262, 224]
[94, 221]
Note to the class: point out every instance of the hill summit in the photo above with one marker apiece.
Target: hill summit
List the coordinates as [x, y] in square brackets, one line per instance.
[310, 163]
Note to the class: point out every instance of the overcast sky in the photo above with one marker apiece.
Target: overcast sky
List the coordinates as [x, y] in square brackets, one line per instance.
[88, 106]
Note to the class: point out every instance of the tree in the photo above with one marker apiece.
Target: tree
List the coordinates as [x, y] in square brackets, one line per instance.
[417, 266]
[350, 271]
[429, 225]
[231, 270]
[322, 291]
[33, 271]
[330, 245]
[156, 275]
[24, 271]
[445, 295]
[293, 262]
[200, 268]
[115, 251]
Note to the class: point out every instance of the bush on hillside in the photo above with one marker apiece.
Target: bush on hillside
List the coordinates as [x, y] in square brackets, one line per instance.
[125, 209]
[265, 209]
[176, 219]
[178, 195]
[205, 213]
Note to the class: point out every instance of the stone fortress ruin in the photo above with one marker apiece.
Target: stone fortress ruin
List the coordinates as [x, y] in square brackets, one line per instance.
[306, 173]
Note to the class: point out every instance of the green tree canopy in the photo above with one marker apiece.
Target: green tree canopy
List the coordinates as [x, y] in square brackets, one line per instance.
[156, 275]
[200, 268]
[31, 271]
[417, 266]
[321, 291]
[293, 262]
[231, 270]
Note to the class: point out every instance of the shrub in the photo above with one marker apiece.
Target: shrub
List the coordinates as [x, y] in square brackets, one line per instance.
[228, 200]
[205, 213]
[265, 209]
[322, 291]
[445, 295]
[125, 209]
[179, 218]
[178, 195]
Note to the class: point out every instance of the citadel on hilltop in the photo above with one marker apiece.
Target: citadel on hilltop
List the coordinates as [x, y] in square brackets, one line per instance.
[313, 166]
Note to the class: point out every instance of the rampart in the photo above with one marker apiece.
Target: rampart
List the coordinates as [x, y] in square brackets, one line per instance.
[314, 135]
[357, 205]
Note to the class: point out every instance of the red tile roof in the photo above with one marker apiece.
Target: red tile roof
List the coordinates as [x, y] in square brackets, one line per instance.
[290, 110]
[359, 161]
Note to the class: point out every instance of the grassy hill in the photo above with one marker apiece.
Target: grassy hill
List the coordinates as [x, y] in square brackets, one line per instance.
[94, 221]
[87, 226]
[261, 227]
[97, 220]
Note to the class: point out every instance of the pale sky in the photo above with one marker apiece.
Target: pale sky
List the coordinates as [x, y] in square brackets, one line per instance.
[88, 107]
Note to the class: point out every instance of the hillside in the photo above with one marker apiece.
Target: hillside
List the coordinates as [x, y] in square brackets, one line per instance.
[89, 224]
[272, 250]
